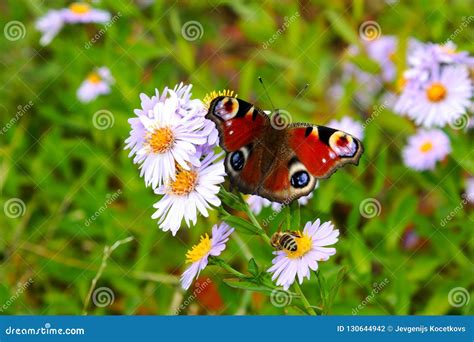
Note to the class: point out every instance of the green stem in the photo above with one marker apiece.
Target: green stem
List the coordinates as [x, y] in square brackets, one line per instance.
[305, 301]
[253, 219]
[219, 262]
[321, 289]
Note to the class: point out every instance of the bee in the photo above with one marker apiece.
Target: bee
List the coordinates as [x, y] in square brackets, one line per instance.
[285, 240]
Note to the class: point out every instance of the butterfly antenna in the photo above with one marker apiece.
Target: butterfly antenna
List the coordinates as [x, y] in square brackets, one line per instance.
[300, 94]
[266, 93]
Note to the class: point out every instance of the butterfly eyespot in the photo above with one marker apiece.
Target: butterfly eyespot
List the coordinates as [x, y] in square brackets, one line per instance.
[343, 144]
[237, 160]
[300, 179]
[227, 108]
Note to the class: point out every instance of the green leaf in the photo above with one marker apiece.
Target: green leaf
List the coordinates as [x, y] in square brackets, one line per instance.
[253, 267]
[334, 289]
[242, 225]
[342, 27]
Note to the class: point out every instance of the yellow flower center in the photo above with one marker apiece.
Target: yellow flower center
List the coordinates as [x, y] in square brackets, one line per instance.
[200, 250]
[401, 83]
[93, 77]
[184, 183]
[79, 7]
[303, 244]
[213, 94]
[426, 147]
[436, 92]
[161, 140]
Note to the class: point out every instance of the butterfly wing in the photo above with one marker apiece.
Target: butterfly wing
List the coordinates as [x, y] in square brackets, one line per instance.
[310, 152]
[241, 128]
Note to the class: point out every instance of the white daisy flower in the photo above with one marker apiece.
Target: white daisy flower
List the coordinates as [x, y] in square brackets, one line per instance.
[97, 83]
[348, 125]
[198, 256]
[82, 12]
[168, 139]
[193, 189]
[49, 25]
[425, 148]
[311, 247]
[443, 99]
[469, 193]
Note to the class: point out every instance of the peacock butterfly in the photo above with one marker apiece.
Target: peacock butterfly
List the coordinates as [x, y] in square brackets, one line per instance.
[278, 163]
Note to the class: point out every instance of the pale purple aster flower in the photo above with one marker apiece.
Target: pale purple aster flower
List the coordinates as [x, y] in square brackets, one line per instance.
[193, 190]
[97, 83]
[469, 193]
[82, 12]
[257, 203]
[311, 248]
[199, 255]
[138, 134]
[425, 148]
[169, 140]
[49, 25]
[382, 50]
[443, 99]
[348, 125]
[197, 108]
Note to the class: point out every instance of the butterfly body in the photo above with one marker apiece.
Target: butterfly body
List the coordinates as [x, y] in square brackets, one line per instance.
[275, 162]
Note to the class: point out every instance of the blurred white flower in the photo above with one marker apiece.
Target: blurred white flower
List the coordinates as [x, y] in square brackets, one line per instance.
[348, 125]
[97, 83]
[425, 148]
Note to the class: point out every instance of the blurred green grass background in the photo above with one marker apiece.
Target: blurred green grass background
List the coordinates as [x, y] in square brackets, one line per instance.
[64, 169]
